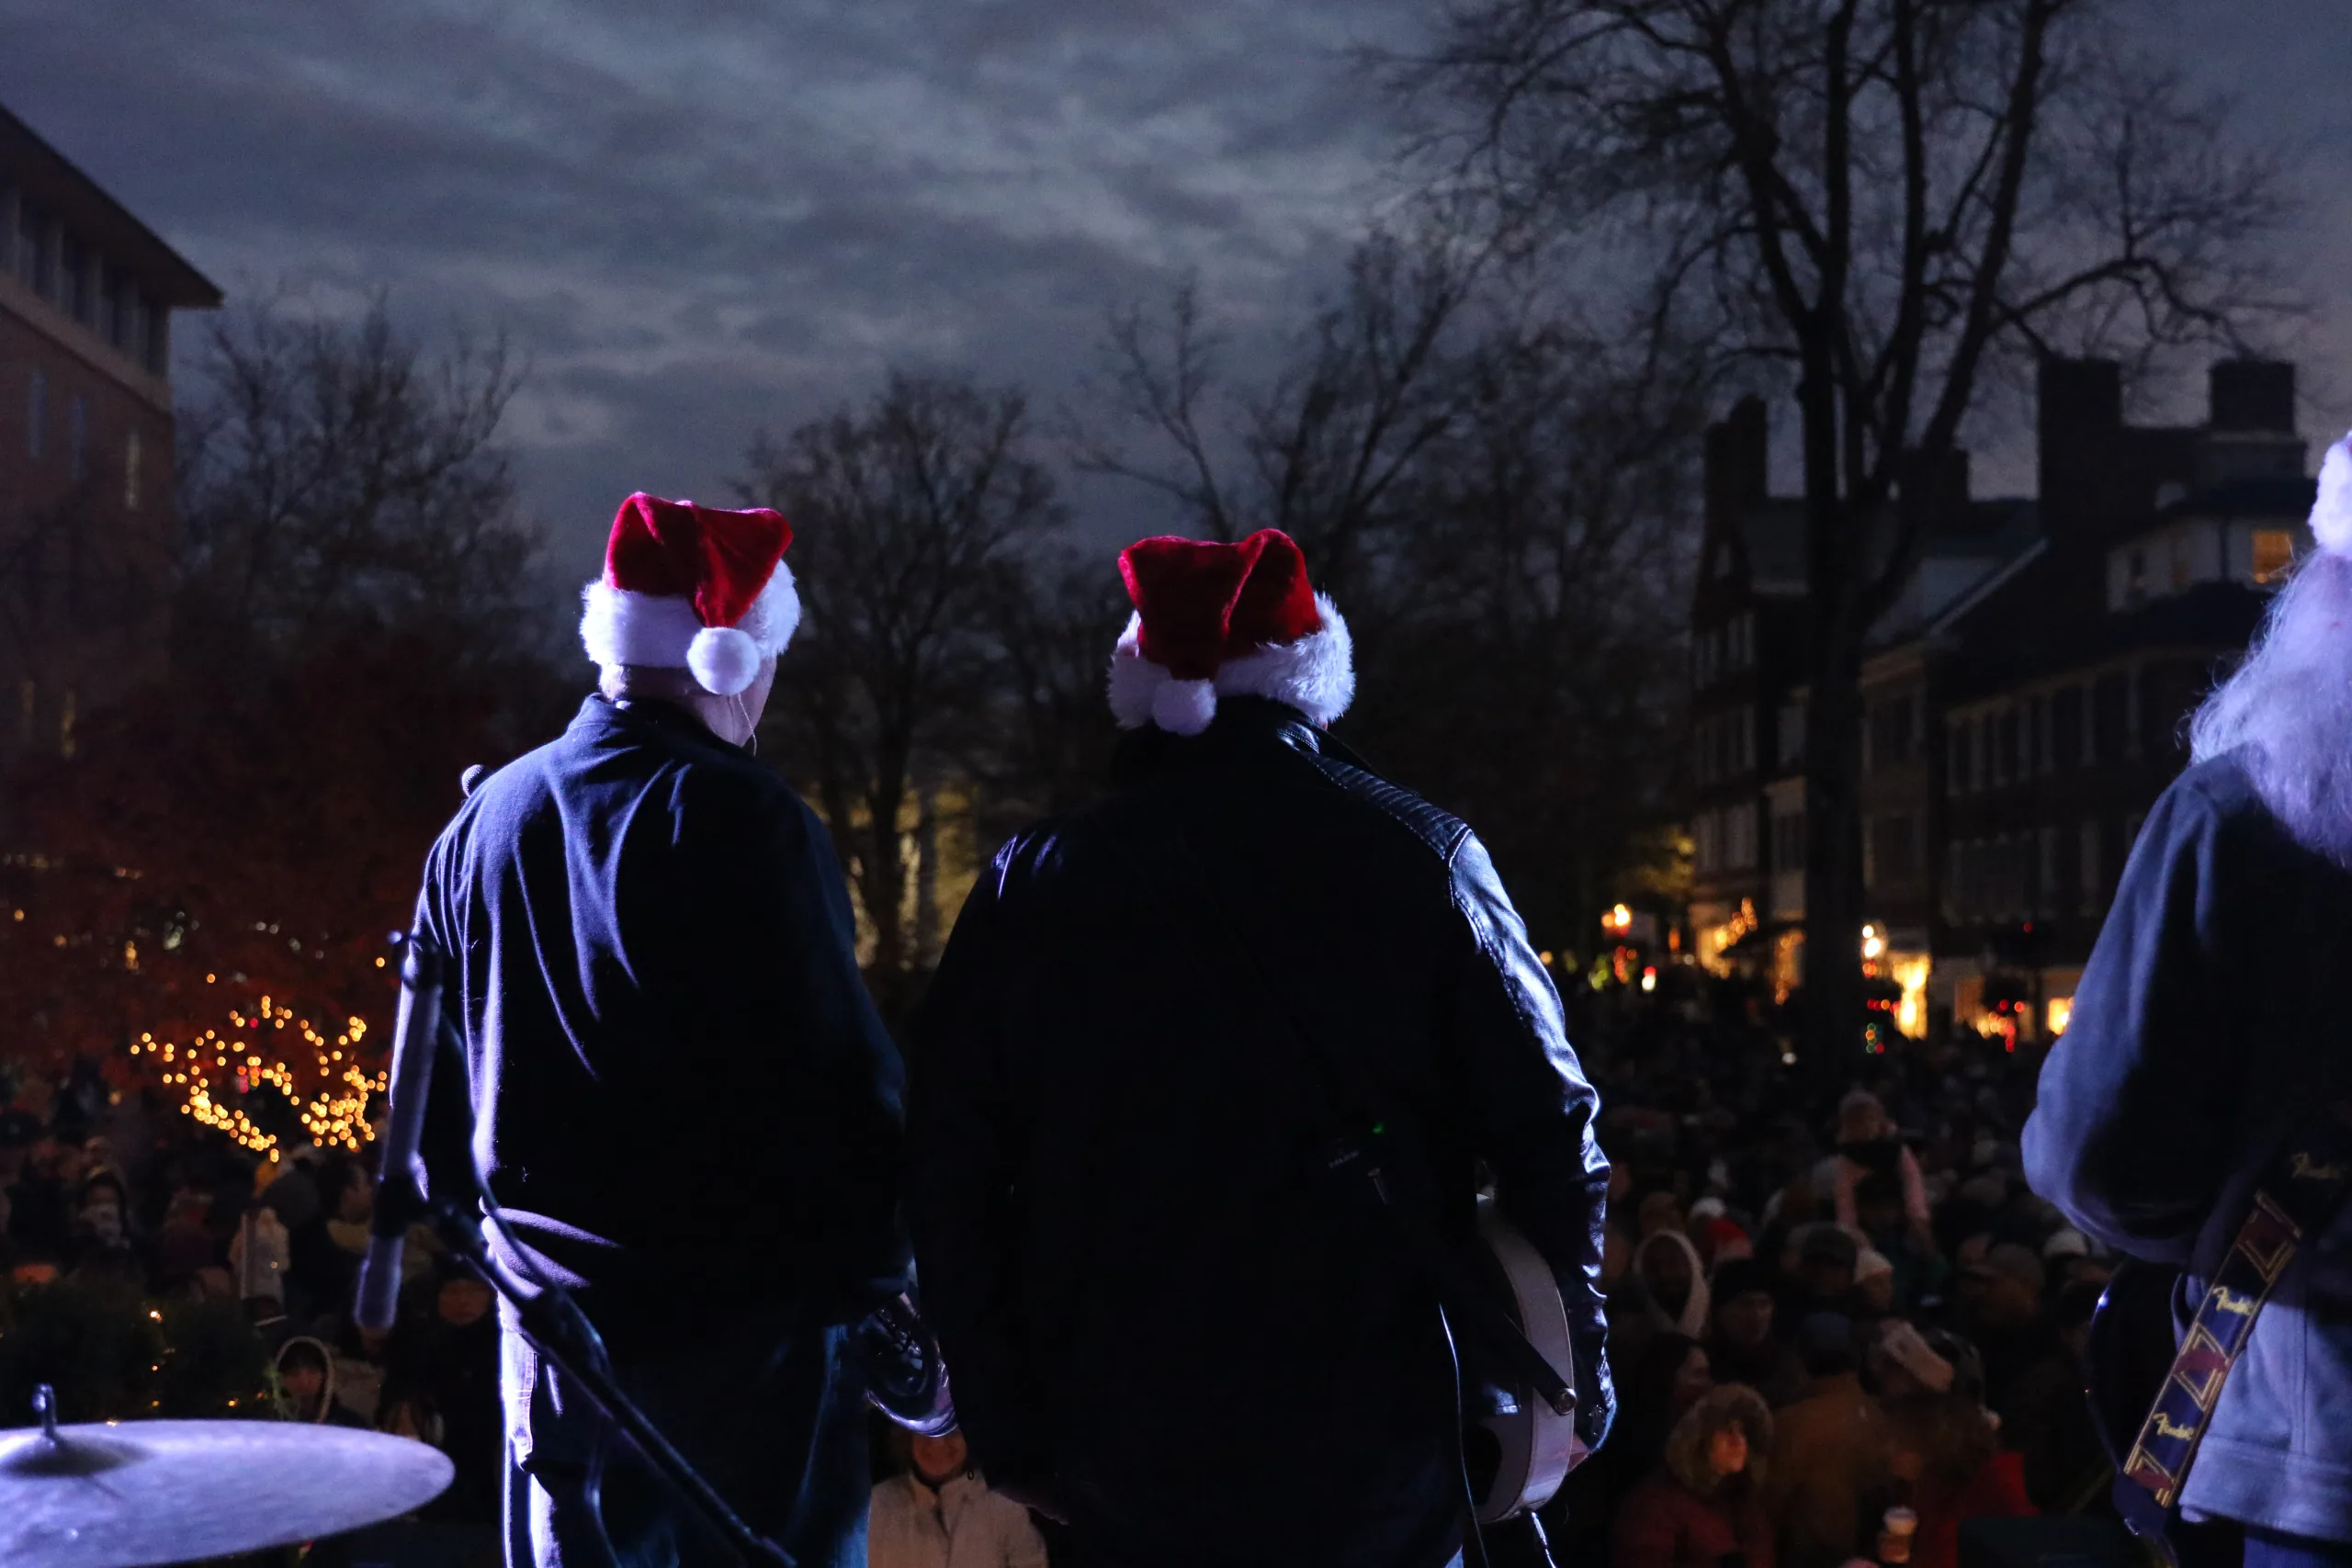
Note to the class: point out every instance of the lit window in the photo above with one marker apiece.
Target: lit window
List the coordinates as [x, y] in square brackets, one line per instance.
[131, 458]
[2274, 552]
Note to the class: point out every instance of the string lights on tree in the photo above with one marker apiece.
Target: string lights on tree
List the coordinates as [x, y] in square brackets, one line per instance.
[321, 1081]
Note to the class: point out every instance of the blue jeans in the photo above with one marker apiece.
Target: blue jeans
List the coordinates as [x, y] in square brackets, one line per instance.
[773, 1418]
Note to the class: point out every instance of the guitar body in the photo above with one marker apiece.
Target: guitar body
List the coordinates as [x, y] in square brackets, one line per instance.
[2132, 1341]
[1523, 1447]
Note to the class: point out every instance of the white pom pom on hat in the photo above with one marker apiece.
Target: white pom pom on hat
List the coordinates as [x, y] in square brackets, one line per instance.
[693, 588]
[723, 659]
[2332, 512]
[1184, 707]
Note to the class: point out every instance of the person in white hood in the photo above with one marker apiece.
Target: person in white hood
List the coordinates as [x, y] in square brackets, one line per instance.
[940, 1514]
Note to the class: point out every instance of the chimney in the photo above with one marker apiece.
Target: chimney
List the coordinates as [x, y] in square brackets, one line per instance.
[2254, 395]
[1738, 465]
[2077, 426]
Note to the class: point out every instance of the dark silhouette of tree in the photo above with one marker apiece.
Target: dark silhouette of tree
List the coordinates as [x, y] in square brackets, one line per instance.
[1875, 198]
[906, 512]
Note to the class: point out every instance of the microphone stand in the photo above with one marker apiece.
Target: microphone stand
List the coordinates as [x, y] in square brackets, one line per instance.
[548, 1318]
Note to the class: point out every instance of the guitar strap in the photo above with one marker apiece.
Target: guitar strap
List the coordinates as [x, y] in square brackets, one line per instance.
[2299, 1193]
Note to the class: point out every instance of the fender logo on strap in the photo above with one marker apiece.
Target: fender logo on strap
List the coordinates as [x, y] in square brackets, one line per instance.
[2305, 1169]
[2165, 1427]
[2225, 1300]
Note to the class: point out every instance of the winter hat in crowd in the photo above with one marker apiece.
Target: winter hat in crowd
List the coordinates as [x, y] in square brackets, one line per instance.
[2009, 1260]
[1737, 1277]
[2066, 1243]
[2331, 512]
[1230, 620]
[1722, 1237]
[693, 588]
[1901, 1344]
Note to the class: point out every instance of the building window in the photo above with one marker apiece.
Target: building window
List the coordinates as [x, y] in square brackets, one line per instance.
[74, 291]
[131, 458]
[1788, 842]
[1747, 740]
[2274, 552]
[37, 414]
[27, 705]
[1792, 734]
[2044, 733]
[77, 436]
[2047, 902]
[2092, 885]
[65, 741]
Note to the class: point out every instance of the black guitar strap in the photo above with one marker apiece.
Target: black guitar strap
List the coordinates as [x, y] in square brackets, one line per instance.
[2299, 1193]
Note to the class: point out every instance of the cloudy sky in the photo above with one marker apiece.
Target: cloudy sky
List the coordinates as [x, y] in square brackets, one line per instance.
[698, 217]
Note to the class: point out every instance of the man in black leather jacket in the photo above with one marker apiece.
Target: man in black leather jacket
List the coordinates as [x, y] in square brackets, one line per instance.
[1166, 1322]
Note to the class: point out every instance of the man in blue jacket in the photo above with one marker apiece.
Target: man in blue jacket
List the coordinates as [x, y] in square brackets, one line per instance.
[654, 964]
[1167, 1321]
[2208, 1027]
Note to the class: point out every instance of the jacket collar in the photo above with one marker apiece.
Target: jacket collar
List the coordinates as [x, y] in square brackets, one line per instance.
[1244, 728]
[643, 721]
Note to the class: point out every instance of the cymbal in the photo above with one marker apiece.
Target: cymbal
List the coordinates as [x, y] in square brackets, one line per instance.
[134, 1492]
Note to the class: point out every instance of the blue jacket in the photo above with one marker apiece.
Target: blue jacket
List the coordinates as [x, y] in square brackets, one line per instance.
[2209, 1021]
[1158, 1307]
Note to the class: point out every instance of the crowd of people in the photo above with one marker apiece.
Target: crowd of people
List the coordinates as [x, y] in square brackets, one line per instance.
[1839, 1331]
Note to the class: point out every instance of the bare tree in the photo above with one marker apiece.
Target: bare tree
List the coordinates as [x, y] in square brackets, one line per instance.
[1522, 650]
[334, 473]
[1878, 197]
[1056, 609]
[1372, 383]
[906, 512]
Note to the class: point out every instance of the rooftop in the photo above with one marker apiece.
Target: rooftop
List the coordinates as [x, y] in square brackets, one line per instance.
[47, 177]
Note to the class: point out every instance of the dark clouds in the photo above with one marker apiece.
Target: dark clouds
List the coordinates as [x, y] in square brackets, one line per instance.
[699, 217]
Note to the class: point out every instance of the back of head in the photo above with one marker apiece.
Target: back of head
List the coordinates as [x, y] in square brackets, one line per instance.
[1826, 1345]
[2288, 709]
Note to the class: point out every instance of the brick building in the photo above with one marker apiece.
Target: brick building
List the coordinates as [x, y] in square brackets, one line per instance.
[2024, 700]
[87, 527]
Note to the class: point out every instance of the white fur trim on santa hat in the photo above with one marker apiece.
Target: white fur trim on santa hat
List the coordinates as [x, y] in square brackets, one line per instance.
[663, 632]
[2331, 513]
[1315, 675]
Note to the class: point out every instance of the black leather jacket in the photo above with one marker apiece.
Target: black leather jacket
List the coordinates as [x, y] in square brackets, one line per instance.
[1157, 1305]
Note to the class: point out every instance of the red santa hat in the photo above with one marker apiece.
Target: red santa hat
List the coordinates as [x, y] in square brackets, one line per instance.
[1225, 620]
[693, 588]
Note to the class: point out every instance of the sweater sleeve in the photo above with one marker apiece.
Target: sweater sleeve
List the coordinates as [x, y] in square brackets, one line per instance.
[2129, 1135]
